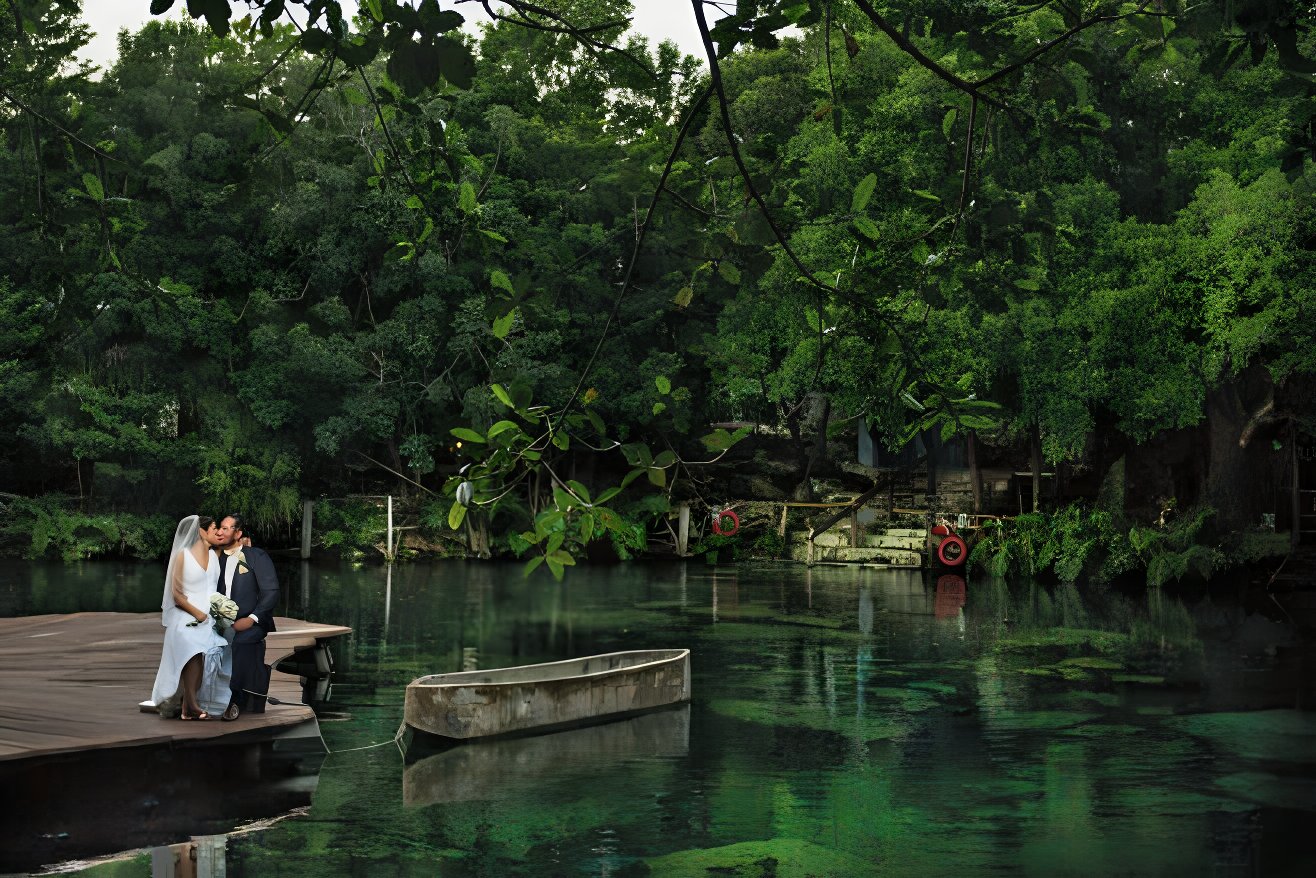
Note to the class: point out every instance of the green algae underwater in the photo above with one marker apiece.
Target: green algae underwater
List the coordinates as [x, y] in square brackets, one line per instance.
[845, 722]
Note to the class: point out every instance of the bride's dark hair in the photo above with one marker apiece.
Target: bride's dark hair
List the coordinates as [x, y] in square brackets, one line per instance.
[203, 522]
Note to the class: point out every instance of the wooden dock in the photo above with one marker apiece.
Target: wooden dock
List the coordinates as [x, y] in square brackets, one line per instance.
[73, 683]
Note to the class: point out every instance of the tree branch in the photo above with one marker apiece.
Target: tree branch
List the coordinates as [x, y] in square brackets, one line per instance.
[715, 75]
[1051, 44]
[581, 35]
[913, 51]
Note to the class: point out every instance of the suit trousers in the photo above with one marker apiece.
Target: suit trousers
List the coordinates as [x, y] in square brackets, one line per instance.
[250, 675]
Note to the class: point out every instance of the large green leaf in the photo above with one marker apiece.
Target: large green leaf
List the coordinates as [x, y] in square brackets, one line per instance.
[862, 193]
[503, 325]
[434, 21]
[502, 427]
[216, 13]
[466, 198]
[499, 279]
[456, 515]
[414, 66]
[467, 434]
[578, 489]
[867, 228]
[315, 40]
[455, 61]
[93, 186]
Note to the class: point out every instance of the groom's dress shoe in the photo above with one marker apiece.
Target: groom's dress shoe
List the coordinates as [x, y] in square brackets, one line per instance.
[230, 713]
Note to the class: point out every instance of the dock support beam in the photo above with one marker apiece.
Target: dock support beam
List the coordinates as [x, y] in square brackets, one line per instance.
[308, 512]
[388, 541]
[1295, 531]
[682, 529]
[975, 476]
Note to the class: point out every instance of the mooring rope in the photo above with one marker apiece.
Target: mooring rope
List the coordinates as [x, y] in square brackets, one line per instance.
[396, 739]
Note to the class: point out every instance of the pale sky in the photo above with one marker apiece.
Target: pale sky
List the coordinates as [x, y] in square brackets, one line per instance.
[659, 19]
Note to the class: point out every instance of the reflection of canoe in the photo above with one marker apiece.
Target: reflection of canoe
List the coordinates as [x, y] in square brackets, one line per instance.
[510, 767]
[476, 704]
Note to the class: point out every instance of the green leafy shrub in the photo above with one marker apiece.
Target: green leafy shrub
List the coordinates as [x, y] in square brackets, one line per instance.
[51, 527]
[768, 544]
[728, 548]
[1173, 551]
[352, 525]
[1074, 542]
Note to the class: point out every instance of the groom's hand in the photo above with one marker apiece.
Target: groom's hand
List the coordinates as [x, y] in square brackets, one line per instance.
[243, 624]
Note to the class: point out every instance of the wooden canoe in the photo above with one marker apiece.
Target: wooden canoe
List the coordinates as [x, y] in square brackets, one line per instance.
[501, 701]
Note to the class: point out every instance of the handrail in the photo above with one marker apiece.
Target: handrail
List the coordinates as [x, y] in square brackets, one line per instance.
[854, 504]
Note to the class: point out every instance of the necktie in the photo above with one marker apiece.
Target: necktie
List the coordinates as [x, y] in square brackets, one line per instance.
[223, 557]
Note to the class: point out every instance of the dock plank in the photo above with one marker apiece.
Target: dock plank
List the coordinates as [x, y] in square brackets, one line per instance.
[72, 683]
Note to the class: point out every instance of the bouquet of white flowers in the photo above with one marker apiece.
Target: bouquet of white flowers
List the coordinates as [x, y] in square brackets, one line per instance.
[223, 610]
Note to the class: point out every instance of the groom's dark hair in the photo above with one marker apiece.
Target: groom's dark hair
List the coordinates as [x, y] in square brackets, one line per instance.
[237, 521]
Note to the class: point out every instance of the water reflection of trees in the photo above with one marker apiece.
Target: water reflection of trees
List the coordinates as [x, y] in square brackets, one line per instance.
[1154, 622]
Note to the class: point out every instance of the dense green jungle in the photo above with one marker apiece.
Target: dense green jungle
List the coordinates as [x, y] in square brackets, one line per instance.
[550, 279]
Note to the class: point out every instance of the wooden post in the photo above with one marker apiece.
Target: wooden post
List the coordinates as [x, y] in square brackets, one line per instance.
[1295, 532]
[932, 442]
[928, 520]
[808, 557]
[1036, 455]
[781, 528]
[308, 511]
[210, 855]
[682, 529]
[388, 542]
[854, 528]
[975, 478]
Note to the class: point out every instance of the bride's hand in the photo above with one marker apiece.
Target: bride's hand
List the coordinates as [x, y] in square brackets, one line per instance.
[200, 616]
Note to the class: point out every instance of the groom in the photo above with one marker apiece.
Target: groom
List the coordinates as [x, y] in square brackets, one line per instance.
[246, 574]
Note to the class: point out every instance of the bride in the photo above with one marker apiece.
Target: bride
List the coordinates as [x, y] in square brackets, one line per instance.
[196, 665]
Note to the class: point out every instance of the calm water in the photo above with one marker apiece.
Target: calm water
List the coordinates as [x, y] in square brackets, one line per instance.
[844, 722]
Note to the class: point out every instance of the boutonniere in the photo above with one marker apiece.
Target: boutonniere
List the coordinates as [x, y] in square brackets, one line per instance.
[242, 563]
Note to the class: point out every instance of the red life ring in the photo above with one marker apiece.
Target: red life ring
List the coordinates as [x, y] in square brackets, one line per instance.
[717, 523]
[952, 551]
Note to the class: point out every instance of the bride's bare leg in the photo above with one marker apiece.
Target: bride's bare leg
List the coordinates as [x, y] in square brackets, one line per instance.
[190, 679]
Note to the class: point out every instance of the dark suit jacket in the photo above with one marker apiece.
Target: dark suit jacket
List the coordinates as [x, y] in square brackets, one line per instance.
[255, 590]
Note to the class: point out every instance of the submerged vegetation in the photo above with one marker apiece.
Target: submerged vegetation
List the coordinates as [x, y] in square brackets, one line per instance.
[535, 279]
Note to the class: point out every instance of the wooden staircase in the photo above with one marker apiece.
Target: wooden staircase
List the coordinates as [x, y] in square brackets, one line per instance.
[900, 547]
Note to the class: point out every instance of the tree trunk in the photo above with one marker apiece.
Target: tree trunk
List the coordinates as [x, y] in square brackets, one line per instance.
[803, 492]
[1238, 484]
[816, 453]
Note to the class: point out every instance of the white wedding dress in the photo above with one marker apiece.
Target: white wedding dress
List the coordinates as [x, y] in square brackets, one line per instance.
[182, 641]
